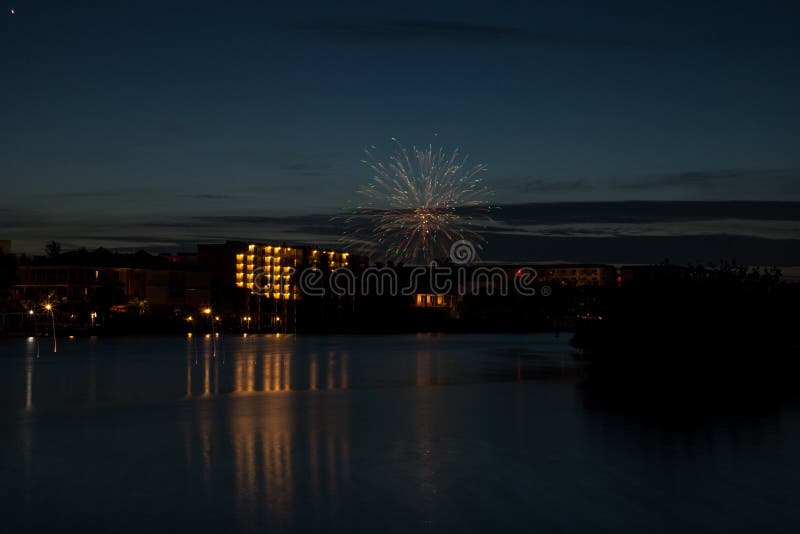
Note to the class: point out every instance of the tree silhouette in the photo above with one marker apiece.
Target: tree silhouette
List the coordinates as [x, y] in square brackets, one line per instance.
[52, 249]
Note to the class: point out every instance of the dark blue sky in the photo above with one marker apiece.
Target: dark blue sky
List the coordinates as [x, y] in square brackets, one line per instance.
[127, 109]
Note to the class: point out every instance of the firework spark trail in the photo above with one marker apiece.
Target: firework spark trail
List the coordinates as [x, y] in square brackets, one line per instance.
[418, 203]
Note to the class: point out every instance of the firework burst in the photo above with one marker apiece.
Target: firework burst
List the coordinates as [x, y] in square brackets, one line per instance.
[418, 203]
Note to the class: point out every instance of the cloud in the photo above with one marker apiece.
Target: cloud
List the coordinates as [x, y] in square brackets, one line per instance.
[422, 29]
[124, 192]
[307, 169]
[740, 227]
[432, 30]
[211, 196]
[291, 220]
[543, 186]
[644, 211]
[711, 179]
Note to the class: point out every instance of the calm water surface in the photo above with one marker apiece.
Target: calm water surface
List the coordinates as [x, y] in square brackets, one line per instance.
[398, 433]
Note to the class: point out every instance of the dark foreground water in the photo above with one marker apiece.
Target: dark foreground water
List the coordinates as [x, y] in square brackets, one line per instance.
[373, 434]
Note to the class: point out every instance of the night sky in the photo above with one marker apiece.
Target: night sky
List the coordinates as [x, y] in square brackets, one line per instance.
[162, 123]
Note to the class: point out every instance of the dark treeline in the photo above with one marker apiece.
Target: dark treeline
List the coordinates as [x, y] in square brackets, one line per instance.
[700, 336]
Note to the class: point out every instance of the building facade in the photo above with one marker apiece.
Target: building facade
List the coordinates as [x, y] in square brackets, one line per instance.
[270, 270]
[160, 288]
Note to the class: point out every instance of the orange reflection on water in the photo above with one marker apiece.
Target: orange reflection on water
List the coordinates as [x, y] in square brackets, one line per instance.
[273, 371]
[313, 373]
[261, 437]
[206, 375]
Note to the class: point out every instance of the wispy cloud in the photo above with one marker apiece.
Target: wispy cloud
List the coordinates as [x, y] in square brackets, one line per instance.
[302, 168]
[544, 186]
[211, 196]
[642, 211]
[711, 179]
[422, 29]
[433, 30]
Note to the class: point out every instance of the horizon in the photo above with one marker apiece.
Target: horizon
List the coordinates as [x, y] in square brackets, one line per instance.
[621, 232]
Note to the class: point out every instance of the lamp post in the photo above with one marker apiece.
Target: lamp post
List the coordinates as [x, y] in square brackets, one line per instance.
[49, 307]
[207, 311]
[32, 313]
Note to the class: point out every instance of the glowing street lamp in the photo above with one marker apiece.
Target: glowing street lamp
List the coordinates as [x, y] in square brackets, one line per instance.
[207, 311]
[49, 307]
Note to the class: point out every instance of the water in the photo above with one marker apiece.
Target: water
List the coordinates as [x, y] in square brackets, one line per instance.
[397, 433]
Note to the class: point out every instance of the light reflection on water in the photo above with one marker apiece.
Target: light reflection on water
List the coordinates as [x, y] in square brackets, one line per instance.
[398, 433]
[90, 371]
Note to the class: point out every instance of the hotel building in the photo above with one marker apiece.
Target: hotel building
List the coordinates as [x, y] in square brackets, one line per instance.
[269, 270]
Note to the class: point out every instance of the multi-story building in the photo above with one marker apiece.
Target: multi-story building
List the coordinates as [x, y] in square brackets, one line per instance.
[269, 275]
[162, 289]
[433, 300]
[268, 270]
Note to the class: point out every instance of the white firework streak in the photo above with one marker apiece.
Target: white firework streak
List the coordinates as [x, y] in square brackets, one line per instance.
[418, 203]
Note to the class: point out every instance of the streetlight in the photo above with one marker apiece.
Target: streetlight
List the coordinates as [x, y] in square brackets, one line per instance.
[49, 307]
[207, 311]
[35, 330]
